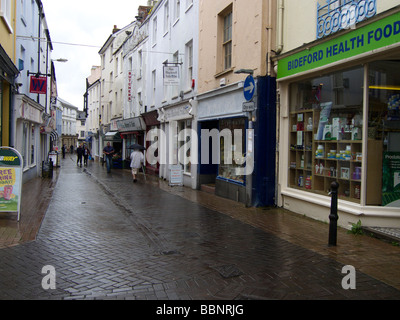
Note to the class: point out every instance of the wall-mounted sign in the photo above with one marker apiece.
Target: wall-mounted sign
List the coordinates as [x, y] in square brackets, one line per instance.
[382, 33]
[130, 74]
[10, 180]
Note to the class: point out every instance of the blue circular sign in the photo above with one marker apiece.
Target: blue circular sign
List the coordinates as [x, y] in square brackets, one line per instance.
[249, 88]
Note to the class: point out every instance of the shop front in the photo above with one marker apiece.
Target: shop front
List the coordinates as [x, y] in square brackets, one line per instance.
[28, 138]
[152, 123]
[132, 132]
[221, 151]
[340, 121]
[115, 140]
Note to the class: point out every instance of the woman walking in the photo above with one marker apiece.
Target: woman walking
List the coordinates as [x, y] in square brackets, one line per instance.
[137, 159]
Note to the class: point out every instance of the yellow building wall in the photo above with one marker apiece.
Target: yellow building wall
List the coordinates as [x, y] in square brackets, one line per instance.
[7, 36]
[249, 40]
[7, 40]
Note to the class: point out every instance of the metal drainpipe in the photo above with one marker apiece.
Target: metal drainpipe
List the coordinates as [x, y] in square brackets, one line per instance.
[281, 9]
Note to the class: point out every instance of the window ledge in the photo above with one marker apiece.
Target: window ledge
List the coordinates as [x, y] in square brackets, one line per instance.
[224, 72]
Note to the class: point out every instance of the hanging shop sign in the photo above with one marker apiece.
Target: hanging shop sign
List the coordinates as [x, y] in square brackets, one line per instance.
[379, 34]
[38, 85]
[10, 180]
[171, 76]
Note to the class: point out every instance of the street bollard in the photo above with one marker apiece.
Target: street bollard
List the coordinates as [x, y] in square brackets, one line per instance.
[333, 217]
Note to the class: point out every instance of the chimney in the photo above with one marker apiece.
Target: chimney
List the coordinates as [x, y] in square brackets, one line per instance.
[115, 29]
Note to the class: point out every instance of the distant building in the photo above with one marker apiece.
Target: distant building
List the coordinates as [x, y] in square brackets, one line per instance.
[69, 116]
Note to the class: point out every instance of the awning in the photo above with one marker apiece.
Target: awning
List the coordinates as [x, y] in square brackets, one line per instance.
[54, 135]
[112, 136]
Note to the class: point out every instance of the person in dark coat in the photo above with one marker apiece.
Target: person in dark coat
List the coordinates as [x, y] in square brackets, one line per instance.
[63, 149]
[79, 153]
[86, 154]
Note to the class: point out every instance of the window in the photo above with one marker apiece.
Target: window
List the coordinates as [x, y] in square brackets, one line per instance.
[224, 52]
[1, 108]
[116, 66]
[175, 89]
[227, 42]
[189, 62]
[232, 149]
[383, 173]
[154, 31]
[28, 151]
[166, 17]
[5, 14]
[177, 9]
[140, 63]
[184, 145]
[189, 4]
[326, 134]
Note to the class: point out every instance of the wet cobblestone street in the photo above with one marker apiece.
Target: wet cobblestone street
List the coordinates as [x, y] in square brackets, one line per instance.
[108, 238]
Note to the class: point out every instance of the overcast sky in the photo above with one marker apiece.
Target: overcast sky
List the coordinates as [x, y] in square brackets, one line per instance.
[84, 25]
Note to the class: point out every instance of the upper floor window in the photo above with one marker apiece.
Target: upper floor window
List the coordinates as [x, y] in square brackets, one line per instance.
[177, 9]
[154, 31]
[5, 14]
[189, 63]
[166, 17]
[227, 41]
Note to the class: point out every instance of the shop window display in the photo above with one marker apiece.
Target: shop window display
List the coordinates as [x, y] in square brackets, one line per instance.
[326, 116]
[384, 134]
[227, 167]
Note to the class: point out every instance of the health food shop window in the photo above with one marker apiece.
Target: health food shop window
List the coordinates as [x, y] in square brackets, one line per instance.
[383, 174]
[232, 148]
[326, 133]
[1, 106]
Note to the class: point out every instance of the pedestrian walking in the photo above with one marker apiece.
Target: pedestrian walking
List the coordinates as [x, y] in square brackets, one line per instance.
[72, 149]
[79, 153]
[137, 159]
[86, 154]
[108, 151]
[63, 149]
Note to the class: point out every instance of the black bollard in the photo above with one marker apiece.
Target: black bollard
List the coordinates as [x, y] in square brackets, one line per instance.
[333, 217]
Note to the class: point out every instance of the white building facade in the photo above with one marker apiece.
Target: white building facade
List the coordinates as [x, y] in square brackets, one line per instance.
[112, 84]
[32, 121]
[171, 88]
[93, 112]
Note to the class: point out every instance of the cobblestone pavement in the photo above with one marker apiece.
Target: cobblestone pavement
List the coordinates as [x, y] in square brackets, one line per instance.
[108, 238]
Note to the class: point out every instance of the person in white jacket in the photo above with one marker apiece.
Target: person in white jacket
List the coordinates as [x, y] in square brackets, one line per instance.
[137, 159]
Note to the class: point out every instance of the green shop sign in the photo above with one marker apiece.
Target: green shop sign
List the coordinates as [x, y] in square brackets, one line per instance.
[377, 35]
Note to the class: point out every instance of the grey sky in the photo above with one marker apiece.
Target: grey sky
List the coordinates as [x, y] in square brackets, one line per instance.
[78, 29]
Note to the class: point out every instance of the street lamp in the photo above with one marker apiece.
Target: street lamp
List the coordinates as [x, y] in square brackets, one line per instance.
[60, 60]
[246, 71]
